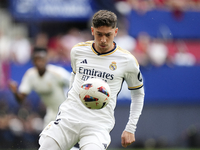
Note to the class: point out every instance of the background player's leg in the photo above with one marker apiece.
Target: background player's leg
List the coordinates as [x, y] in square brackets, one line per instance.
[91, 146]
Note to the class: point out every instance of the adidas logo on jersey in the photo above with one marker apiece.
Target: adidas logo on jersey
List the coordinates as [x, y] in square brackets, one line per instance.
[84, 61]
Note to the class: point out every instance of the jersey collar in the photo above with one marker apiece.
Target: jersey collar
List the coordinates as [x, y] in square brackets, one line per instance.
[104, 54]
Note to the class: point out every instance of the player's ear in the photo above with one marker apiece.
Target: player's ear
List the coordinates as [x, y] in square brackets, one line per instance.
[92, 30]
[116, 31]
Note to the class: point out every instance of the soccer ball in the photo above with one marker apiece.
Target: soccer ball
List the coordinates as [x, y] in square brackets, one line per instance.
[95, 93]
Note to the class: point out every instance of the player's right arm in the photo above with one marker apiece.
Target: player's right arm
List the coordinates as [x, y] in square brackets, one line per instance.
[73, 66]
[20, 97]
[24, 88]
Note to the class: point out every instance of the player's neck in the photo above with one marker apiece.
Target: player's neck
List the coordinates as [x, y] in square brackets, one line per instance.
[41, 72]
[102, 52]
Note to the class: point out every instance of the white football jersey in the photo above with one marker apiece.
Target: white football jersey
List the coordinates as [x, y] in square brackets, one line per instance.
[50, 87]
[113, 67]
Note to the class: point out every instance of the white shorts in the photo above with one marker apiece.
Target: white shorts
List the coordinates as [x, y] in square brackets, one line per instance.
[50, 116]
[67, 132]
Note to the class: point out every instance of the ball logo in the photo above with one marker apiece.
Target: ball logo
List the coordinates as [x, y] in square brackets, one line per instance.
[113, 66]
[86, 86]
[89, 98]
[103, 90]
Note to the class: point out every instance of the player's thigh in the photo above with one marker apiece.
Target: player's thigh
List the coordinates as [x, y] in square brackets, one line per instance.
[48, 143]
[95, 135]
[61, 131]
[91, 146]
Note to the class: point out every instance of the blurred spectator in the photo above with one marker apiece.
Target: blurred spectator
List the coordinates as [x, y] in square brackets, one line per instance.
[150, 51]
[160, 4]
[20, 47]
[141, 6]
[195, 5]
[141, 49]
[18, 127]
[176, 6]
[183, 57]
[29, 119]
[123, 39]
[5, 135]
[5, 43]
[41, 40]
[5, 56]
[123, 7]
[183, 5]
[158, 53]
[193, 136]
[55, 52]
[86, 35]
[59, 46]
[71, 38]
[180, 6]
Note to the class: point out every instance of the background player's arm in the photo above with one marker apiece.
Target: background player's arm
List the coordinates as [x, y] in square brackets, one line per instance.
[20, 97]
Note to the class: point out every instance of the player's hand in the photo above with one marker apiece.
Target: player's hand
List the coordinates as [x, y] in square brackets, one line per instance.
[127, 138]
[13, 86]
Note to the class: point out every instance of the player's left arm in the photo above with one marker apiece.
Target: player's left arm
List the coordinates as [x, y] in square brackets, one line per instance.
[133, 77]
[137, 100]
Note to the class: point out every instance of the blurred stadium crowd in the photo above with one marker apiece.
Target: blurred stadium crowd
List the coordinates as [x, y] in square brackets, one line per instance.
[24, 122]
[147, 5]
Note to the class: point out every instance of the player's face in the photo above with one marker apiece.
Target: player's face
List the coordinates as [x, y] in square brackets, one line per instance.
[103, 38]
[40, 63]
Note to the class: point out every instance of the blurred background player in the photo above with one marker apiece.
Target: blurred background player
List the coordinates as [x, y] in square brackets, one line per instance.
[49, 81]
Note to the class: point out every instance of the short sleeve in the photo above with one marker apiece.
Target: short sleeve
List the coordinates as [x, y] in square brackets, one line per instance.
[133, 76]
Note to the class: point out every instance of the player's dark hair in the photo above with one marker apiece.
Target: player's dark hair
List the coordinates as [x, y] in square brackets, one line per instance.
[104, 18]
[39, 49]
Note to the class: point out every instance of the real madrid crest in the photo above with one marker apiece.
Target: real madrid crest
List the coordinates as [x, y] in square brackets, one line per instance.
[113, 66]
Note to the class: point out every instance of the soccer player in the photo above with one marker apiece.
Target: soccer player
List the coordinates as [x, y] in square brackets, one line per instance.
[104, 59]
[49, 81]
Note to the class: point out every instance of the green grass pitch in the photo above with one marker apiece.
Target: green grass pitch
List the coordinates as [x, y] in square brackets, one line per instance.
[133, 149]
